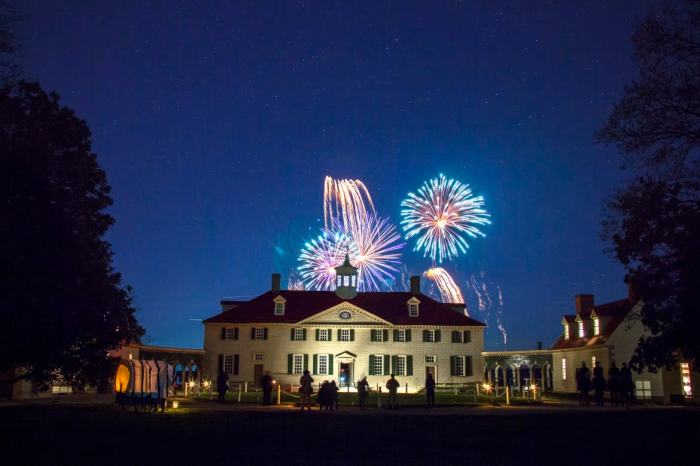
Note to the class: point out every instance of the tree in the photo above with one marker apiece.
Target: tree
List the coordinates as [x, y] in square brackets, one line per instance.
[8, 43]
[653, 224]
[62, 305]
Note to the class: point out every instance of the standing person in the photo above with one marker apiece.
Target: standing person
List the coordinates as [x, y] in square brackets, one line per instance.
[430, 390]
[221, 386]
[392, 385]
[614, 384]
[324, 396]
[626, 385]
[333, 395]
[598, 383]
[306, 389]
[266, 382]
[362, 389]
[583, 380]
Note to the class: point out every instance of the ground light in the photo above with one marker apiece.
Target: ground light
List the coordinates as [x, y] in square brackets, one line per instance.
[176, 404]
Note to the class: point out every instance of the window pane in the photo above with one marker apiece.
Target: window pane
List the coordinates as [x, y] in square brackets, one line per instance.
[298, 364]
[378, 364]
[323, 364]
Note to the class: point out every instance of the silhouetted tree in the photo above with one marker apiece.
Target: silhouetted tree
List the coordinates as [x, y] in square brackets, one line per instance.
[653, 224]
[62, 306]
[8, 42]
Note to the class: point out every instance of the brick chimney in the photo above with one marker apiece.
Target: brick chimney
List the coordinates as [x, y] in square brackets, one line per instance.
[584, 303]
[415, 285]
[276, 280]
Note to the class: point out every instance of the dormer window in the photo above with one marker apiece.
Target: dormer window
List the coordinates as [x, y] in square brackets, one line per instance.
[413, 307]
[596, 326]
[280, 304]
[566, 332]
[581, 332]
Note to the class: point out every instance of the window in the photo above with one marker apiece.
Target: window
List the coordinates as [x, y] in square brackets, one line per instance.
[592, 361]
[377, 335]
[344, 335]
[400, 335]
[279, 309]
[231, 334]
[297, 363]
[346, 280]
[400, 368]
[429, 336]
[299, 334]
[259, 334]
[459, 366]
[338, 280]
[461, 337]
[228, 364]
[686, 383]
[354, 280]
[581, 333]
[378, 364]
[431, 359]
[596, 326]
[643, 389]
[61, 389]
[563, 368]
[413, 310]
[257, 357]
[566, 331]
[324, 334]
[323, 364]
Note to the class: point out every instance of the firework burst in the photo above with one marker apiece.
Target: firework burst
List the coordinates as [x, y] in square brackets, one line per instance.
[320, 257]
[442, 215]
[346, 203]
[449, 291]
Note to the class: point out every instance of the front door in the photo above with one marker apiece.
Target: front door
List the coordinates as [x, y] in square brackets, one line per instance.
[345, 374]
[257, 374]
[431, 370]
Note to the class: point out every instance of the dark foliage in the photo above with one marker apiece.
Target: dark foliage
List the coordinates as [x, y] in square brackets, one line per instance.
[653, 226]
[62, 306]
[8, 42]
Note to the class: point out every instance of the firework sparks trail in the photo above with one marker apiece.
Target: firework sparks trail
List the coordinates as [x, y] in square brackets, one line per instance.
[442, 215]
[449, 291]
[478, 287]
[295, 282]
[346, 202]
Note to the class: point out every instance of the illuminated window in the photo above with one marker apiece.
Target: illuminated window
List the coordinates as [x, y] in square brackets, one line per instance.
[378, 364]
[279, 308]
[643, 389]
[297, 364]
[400, 335]
[429, 336]
[377, 335]
[228, 364]
[400, 368]
[596, 326]
[344, 335]
[566, 331]
[61, 389]
[323, 364]
[346, 280]
[581, 333]
[592, 361]
[259, 333]
[353, 280]
[685, 380]
[563, 368]
[257, 356]
[431, 359]
[323, 334]
[298, 334]
[413, 310]
[339, 281]
[231, 334]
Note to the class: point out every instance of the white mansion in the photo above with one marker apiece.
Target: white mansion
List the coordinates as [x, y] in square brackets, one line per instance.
[344, 335]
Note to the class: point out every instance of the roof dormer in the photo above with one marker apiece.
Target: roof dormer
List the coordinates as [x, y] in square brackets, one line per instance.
[413, 307]
[280, 305]
[580, 327]
[597, 324]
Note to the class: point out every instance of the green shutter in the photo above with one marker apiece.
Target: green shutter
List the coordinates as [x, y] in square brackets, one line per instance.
[372, 335]
[235, 333]
[315, 364]
[306, 362]
[454, 336]
[303, 334]
[385, 335]
[371, 365]
[338, 335]
[252, 333]
[468, 366]
[396, 335]
[394, 364]
[292, 337]
[289, 363]
[223, 333]
[425, 335]
[352, 334]
[265, 333]
[409, 365]
[387, 361]
[437, 336]
[330, 364]
[317, 334]
[467, 336]
[408, 334]
[330, 334]
[453, 365]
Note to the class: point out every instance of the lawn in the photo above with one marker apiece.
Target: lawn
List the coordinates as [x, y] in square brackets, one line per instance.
[100, 434]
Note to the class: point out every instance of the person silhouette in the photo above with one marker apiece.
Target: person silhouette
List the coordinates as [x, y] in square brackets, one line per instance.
[430, 390]
[362, 389]
[598, 383]
[583, 380]
[392, 385]
[221, 386]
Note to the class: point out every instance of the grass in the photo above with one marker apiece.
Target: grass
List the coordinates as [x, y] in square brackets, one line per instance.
[203, 434]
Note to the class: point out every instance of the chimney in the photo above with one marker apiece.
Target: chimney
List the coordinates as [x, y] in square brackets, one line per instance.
[415, 284]
[584, 303]
[539, 345]
[276, 279]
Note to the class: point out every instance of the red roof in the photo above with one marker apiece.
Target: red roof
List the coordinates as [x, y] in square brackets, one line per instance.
[391, 306]
[613, 313]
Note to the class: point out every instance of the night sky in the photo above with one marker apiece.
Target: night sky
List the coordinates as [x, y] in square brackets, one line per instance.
[216, 124]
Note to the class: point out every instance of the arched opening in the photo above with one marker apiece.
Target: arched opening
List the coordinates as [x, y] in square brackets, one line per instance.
[524, 372]
[537, 376]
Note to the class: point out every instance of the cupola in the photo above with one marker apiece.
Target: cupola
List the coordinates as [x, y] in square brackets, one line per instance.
[346, 279]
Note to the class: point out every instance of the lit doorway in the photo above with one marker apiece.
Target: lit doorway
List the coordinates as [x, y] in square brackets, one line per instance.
[345, 373]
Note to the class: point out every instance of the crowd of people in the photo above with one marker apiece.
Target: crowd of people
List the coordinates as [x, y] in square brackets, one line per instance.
[619, 385]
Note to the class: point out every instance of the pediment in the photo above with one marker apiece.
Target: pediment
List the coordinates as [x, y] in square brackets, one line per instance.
[344, 314]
